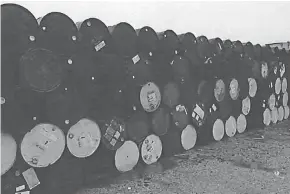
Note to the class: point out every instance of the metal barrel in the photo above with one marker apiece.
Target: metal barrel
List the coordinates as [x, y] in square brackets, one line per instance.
[64, 106]
[168, 43]
[249, 50]
[40, 70]
[94, 36]
[124, 39]
[58, 33]
[150, 149]
[147, 41]
[22, 177]
[228, 45]
[184, 139]
[19, 33]
[188, 41]
[257, 52]
[203, 48]
[217, 46]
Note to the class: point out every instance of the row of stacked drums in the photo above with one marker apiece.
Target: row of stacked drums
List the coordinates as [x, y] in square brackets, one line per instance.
[80, 100]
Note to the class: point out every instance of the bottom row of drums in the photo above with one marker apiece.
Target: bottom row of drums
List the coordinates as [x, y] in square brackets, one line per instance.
[46, 144]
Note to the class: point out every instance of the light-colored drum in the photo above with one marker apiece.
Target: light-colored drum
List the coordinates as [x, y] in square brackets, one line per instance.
[286, 112]
[8, 152]
[219, 91]
[188, 137]
[267, 117]
[127, 156]
[83, 138]
[150, 97]
[241, 123]
[272, 101]
[285, 99]
[284, 85]
[280, 113]
[246, 106]
[278, 86]
[234, 89]
[274, 115]
[151, 149]
[218, 130]
[253, 87]
[231, 126]
[43, 145]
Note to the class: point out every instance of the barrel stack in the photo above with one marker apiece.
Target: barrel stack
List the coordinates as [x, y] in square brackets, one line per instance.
[85, 101]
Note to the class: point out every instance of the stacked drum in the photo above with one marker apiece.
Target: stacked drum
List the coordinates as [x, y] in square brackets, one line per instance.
[83, 101]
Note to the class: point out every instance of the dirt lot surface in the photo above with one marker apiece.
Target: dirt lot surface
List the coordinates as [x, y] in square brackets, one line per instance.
[255, 162]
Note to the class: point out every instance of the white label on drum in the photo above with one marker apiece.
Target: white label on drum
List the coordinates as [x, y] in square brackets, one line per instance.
[275, 70]
[151, 96]
[282, 70]
[31, 178]
[264, 70]
[136, 59]
[48, 135]
[199, 111]
[214, 107]
[100, 46]
[22, 187]
[117, 135]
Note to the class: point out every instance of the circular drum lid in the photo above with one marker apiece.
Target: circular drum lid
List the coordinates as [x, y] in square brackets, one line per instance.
[127, 156]
[180, 117]
[59, 33]
[114, 133]
[278, 86]
[286, 112]
[150, 97]
[41, 70]
[272, 102]
[231, 126]
[218, 130]
[241, 123]
[284, 85]
[19, 28]
[171, 94]
[125, 39]
[94, 33]
[8, 152]
[137, 126]
[246, 106]
[83, 138]
[285, 99]
[219, 91]
[274, 115]
[160, 121]
[43, 145]
[180, 68]
[280, 113]
[188, 137]
[147, 39]
[151, 149]
[253, 87]
[234, 89]
[264, 70]
[267, 117]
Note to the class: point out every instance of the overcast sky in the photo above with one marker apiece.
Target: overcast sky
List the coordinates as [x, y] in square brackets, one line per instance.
[258, 22]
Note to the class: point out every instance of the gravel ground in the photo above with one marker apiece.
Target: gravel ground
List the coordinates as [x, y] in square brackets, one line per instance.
[255, 162]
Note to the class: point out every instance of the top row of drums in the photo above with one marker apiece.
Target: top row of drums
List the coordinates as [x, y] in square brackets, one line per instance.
[58, 33]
